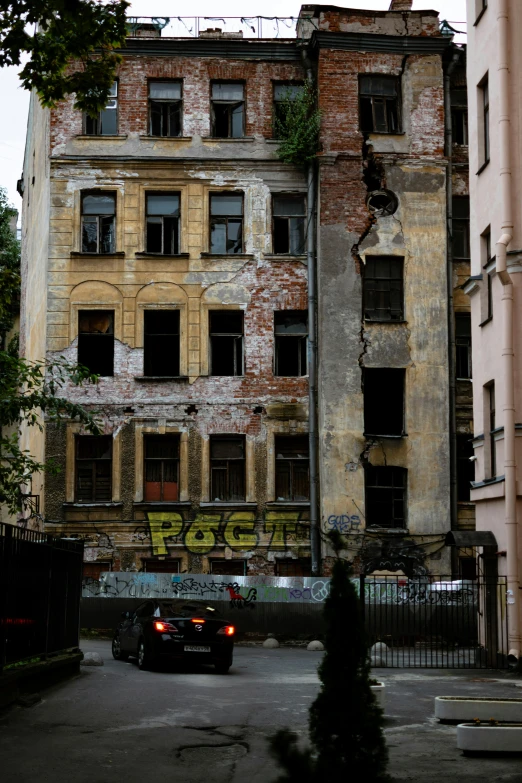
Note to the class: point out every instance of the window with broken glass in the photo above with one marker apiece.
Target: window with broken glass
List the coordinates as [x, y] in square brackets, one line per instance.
[292, 468]
[459, 116]
[165, 108]
[228, 110]
[98, 222]
[226, 223]
[379, 104]
[226, 342]
[460, 208]
[284, 93]
[96, 341]
[93, 469]
[106, 121]
[163, 223]
[379, 419]
[463, 345]
[291, 342]
[383, 288]
[161, 343]
[227, 468]
[161, 468]
[385, 496]
[289, 213]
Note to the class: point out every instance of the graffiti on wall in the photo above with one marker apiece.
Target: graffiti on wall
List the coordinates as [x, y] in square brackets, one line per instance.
[344, 523]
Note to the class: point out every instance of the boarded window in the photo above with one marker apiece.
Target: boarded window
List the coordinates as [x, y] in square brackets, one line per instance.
[463, 345]
[161, 468]
[93, 469]
[385, 496]
[168, 566]
[106, 121]
[228, 110]
[226, 223]
[289, 224]
[291, 341]
[300, 567]
[98, 222]
[292, 468]
[227, 468]
[284, 94]
[96, 341]
[383, 401]
[465, 467]
[379, 104]
[228, 567]
[165, 108]
[383, 288]
[226, 342]
[91, 572]
[163, 223]
[161, 343]
[460, 221]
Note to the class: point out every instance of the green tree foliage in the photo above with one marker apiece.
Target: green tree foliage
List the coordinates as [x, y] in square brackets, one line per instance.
[345, 721]
[54, 33]
[297, 125]
[9, 267]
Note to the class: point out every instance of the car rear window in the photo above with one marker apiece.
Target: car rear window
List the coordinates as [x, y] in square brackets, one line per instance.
[185, 609]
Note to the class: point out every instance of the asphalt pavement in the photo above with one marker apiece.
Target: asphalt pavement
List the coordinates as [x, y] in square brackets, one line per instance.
[116, 723]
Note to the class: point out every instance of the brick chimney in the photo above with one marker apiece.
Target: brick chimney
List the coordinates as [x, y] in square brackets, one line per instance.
[400, 5]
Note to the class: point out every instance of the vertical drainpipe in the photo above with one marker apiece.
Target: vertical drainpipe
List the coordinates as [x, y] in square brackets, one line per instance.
[508, 353]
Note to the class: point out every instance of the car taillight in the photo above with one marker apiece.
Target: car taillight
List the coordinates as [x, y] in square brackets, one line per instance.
[197, 620]
[165, 627]
[227, 630]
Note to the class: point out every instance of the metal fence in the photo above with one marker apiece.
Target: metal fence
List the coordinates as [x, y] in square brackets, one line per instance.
[40, 589]
[436, 622]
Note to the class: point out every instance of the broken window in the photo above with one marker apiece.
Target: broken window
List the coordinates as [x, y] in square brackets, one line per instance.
[98, 222]
[96, 341]
[226, 342]
[465, 467]
[165, 108]
[106, 121]
[161, 468]
[460, 208]
[383, 288]
[459, 116]
[93, 469]
[379, 104]
[291, 468]
[463, 345]
[153, 566]
[228, 110]
[291, 342]
[163, 223]
[228, 567]
[227, 468]
[301, 567]
[383, 401]
[284, 93]
[289, 224]
[161, 343]
[226, 223]
[385, 496]
[484, 106]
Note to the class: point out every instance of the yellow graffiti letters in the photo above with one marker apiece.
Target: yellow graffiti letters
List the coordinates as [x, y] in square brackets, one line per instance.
[280, 524]
[239, 533]
[163, 525]
[200, 538]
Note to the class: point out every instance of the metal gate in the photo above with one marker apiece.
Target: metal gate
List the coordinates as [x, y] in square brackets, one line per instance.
[436, 622]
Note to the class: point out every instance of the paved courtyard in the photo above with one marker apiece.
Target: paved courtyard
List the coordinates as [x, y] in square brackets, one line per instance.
[116, 723]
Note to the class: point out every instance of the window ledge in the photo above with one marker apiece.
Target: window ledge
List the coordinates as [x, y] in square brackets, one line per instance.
[379, 321]
[286, 256]
[486, 320]
[464, 380]
[81, 254]
[228, 140]
[273, 141]
[163, 503]
[112, 504]
[392, 437]
[226, 255]
[394, 531]
[228, 504]
[144, 254]
[481, 169]
[161, 378]
[384, 133]
[146, 137]
[288, 504]
[89, 136]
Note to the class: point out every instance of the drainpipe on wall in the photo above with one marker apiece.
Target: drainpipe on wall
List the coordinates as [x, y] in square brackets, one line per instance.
[510, 486]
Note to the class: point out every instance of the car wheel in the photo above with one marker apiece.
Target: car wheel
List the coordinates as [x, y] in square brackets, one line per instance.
[117, 652]
[145, 660]
[222, 667]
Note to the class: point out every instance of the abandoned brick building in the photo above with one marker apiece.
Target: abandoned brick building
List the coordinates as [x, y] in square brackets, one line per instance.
[165, 248]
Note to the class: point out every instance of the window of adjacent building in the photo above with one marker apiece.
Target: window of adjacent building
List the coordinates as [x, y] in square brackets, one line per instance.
[383, 286]
[491, 422]
[291, 343]
[168, 566]
[106, 121]
[98, 222]
[165, 108]
[161, 468]
[487, 302]
[228, 567]
[93, 571]
[226, 342]
[226, 223]
[385, 496]
[460, 205]
[291, 467]
[161, 343]
[93, 469]
[489, 295]
[227, 468]
[484, 140]
[228, 110]
[96, 341]
[463, 345]
[289, 224]
[383, 401]
[284, 94]
[163, 223]
[459, 116]
[465, 467]
[301, 567]
[379, 104]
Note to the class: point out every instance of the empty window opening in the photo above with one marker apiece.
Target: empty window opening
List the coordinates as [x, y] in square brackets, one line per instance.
[383, 288]
[292, 468]
[463, 345]
[383, 401]
[161, 468]
[385, 496]
[165, 108]
[301, 567]
[291, 342]
[468, 568]
[163, 223]
[228, 567]
[93, 469]
[226, 223]
[289, 224]
[461, 227]
[227, 468]
[96, 341]
[106, 121]
[161, 343]
[98, 222]
[284, 94]
[226, 342]
[459, 116]
[170, 565]
[228, 110]
[382, 203]
[379, 104]
[465, 467]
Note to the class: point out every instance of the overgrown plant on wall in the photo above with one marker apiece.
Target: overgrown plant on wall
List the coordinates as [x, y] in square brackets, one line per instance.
[297, 125]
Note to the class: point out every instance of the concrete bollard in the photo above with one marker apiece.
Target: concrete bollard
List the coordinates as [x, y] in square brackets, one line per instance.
[270, 643]
[92, 659]
[315, 646]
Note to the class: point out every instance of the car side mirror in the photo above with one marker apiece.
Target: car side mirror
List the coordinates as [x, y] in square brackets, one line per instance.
[125, 615]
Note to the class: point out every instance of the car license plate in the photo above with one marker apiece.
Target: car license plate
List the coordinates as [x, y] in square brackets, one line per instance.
[196, 648]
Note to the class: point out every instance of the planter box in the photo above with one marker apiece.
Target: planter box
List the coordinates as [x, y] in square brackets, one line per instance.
[379, 691]
[484, 739]
[458, 709]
